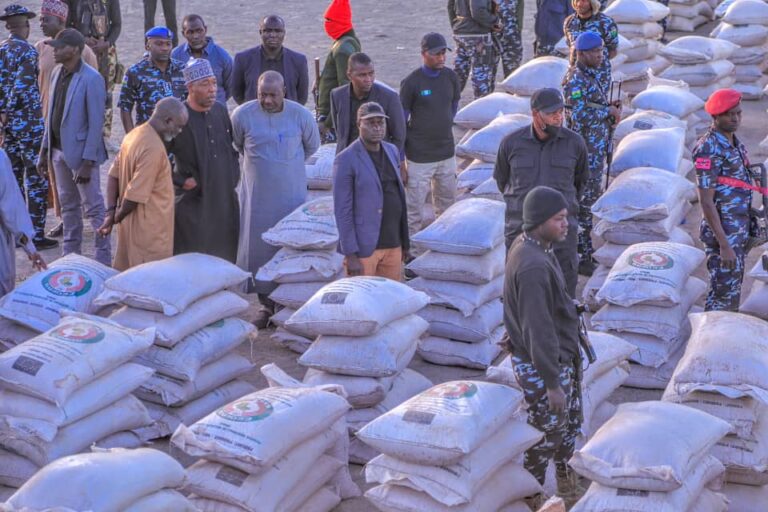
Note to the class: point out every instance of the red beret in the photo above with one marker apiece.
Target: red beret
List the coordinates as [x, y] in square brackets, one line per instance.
[722, 101]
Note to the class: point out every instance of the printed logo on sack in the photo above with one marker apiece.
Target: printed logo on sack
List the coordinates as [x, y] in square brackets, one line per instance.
[67, 283]
[246, 410]
[651, 260]
[453, 390]
[318, 209]
[79, 333]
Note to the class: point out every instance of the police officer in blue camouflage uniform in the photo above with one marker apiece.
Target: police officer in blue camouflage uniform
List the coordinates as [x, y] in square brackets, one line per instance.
[723, 179]
[589, 114]
[588, 18]
[507, 41]
[22, 117]
[473, 22]
[155, 77]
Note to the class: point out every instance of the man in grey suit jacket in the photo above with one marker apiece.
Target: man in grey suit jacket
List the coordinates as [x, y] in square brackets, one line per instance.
[362, 88]
[74, 143]
[369, 200]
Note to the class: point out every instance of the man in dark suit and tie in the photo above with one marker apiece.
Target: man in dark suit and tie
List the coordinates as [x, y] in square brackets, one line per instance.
[369, 200]
[270, 55]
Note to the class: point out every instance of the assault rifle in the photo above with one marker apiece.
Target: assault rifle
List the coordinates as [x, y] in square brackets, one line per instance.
[615, 88]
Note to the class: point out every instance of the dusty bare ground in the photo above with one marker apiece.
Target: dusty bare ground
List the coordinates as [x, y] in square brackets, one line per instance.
[390, 32]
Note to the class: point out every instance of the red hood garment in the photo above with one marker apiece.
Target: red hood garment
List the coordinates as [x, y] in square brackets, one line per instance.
[338, 19]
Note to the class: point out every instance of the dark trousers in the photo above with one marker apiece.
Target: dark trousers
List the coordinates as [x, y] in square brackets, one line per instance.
[169, 12]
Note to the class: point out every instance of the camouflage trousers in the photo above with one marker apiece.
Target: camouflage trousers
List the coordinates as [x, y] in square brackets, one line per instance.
[542, 50]
[474, 53]
[597, 148]
[724, 292]
[111, 70]
[560, 430]
[33, 186]
[508, 43]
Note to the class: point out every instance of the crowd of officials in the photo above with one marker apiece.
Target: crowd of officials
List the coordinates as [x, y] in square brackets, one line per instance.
[191, 177]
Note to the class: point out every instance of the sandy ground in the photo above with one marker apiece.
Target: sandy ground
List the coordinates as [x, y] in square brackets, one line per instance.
[390, 32]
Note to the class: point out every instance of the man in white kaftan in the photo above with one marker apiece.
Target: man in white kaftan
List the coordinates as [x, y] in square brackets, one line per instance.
[275, 137]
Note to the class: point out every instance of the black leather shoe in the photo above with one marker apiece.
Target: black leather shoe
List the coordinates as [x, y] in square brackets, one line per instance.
[45, 243]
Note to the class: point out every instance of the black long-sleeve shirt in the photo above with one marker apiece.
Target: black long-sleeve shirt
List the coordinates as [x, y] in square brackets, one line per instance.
[525, 162]
[539, 315]
[469, 17]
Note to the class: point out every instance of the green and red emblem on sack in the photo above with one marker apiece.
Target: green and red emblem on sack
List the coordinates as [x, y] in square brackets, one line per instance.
[67, 283]
[318, 209]
[651, 260]
[246, 410]
[453, 390]
[79, 332]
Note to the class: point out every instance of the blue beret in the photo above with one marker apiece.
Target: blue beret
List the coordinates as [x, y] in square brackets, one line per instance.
[588, 41]
[159, 32]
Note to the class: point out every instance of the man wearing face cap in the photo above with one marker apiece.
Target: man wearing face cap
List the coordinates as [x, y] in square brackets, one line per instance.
[153, 78]
[588, 18]
[21, 116]
[544, 153]
[338, 26]
[542, 323]
[589, 114]
[207, 171]
[723, 179]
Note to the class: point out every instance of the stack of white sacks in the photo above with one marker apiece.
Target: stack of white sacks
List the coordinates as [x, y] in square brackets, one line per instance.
[653, 457]
[599, 381]
[688, 15]
[637, 20]
[756, 303]
[69, 284]
[701, 62]
[647, 295]
[306, 262]
[649, 198]
[642, 204]
[142, 480]
[475, 174]
[462, 271]
[66, 389]
[675, 99]
[196, 335]
[457, 446]
[319, 169]
[745, 23]
[724, 372]
[277, 449]
[367, 331]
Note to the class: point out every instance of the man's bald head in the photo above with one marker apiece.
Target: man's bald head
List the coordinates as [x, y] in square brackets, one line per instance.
[271, 91]
[169, 118]
[272, 20]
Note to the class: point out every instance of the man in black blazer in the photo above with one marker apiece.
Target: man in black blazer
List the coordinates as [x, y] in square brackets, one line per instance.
[362, 88]
[270, 55]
